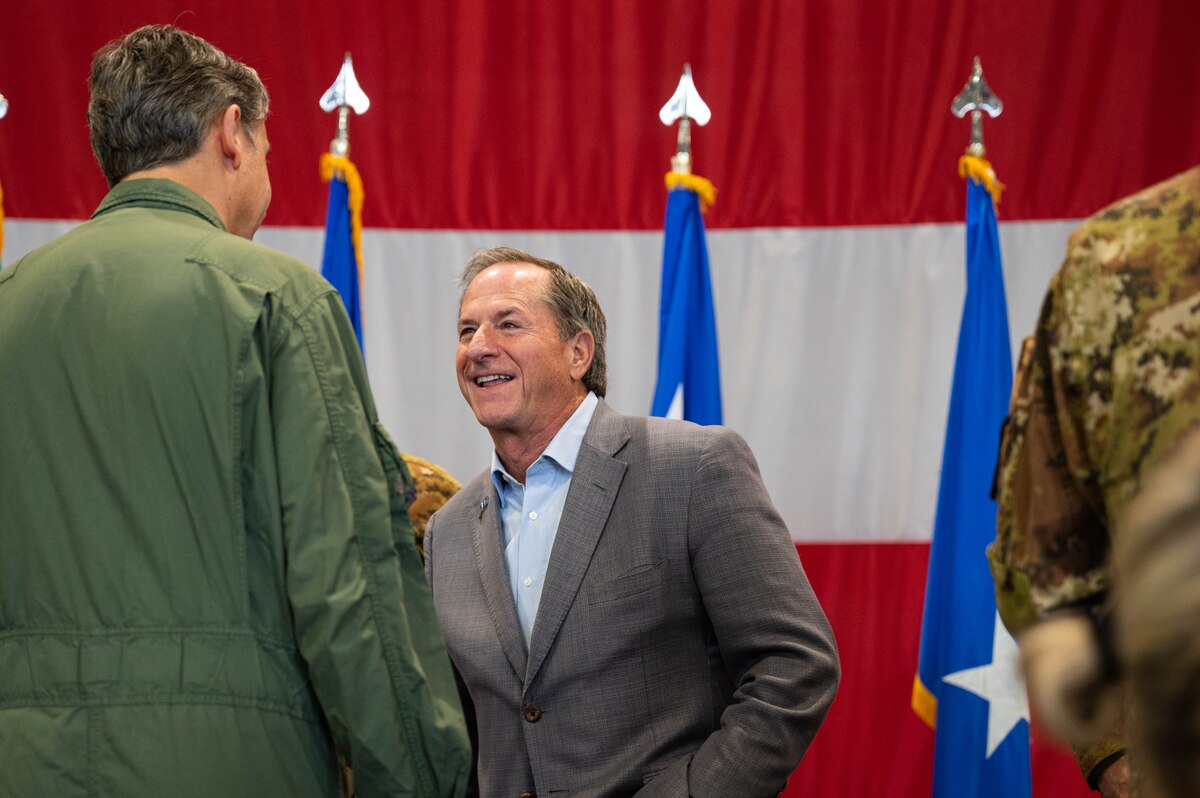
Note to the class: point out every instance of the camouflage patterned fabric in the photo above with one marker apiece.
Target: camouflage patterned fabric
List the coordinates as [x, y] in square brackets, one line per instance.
[435, 486]
[1105, 387]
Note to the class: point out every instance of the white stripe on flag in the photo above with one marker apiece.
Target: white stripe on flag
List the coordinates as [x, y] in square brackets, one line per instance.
[837, 347]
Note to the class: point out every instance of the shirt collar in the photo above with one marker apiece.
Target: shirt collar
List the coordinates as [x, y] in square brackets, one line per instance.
[155, 192]
[563, 448]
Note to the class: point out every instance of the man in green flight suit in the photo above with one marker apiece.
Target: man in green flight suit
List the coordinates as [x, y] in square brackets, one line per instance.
[208, 583]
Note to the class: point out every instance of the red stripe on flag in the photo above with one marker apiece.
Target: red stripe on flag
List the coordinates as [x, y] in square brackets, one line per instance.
[540, 114]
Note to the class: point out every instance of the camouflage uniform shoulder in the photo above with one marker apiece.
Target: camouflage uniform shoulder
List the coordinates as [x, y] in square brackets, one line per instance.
[1176, 192]
[431, 476]
[1135, 229]
[435, 487]
[1122, 321]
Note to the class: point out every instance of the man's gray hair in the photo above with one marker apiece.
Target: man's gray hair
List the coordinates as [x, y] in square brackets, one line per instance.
[570, 299]
[156, 92]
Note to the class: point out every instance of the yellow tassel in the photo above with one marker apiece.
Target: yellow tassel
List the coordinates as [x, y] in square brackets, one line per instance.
[980, 170]
[924, 703]
[334, 165]
[1, 223]
[702, 187]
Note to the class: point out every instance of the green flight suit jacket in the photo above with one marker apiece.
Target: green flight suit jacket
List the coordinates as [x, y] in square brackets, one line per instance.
[207, 572]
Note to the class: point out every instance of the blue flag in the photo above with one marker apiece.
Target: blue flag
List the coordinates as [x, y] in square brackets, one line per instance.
[340, 262]
[967, 684]
[689, 374]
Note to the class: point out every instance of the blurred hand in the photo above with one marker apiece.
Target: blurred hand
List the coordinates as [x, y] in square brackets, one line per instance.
[1064, 673]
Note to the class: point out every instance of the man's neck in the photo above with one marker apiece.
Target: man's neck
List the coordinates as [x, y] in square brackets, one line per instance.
[519, 451]
[175, 172]
[191, 174]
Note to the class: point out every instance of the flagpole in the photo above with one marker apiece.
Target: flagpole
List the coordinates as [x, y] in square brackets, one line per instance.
[977, 98]
[341, 262]
[689, 382]
[685, 106]
[967, 686]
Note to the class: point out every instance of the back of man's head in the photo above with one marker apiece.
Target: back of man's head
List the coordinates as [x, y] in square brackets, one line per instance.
[156, 92]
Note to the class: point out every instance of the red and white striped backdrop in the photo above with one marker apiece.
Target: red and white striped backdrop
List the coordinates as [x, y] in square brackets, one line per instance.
[836, 241]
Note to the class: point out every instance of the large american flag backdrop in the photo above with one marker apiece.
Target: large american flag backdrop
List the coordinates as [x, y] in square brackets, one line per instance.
[836, 240]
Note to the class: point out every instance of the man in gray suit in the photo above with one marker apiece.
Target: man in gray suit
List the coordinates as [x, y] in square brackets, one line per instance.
[622, 600]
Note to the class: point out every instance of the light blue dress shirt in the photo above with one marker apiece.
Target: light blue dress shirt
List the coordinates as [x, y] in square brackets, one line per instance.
[529, 513]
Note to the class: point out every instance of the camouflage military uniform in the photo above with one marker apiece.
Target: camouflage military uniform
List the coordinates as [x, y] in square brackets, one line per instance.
[435, 486]
[1106, 385]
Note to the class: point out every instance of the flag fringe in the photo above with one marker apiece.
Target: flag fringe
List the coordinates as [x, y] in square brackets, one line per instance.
[924, 703]
[702, 187]
[1, 223]
[980, 170]
[332, 165]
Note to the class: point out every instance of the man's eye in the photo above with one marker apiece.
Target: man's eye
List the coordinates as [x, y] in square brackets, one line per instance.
[465, 333]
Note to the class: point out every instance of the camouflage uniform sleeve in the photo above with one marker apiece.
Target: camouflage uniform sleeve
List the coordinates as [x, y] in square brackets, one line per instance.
[1052, 539]
[1012, 586]
[1051, 535]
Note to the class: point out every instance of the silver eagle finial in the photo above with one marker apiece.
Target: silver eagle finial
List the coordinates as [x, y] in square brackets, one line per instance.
[685, 105]
[344, 94]
[977, 96]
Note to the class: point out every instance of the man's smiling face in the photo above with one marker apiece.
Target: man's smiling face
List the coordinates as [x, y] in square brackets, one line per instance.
[519, 377]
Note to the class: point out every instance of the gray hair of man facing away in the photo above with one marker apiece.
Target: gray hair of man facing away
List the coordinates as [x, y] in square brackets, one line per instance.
[156, 92]
[571, 300]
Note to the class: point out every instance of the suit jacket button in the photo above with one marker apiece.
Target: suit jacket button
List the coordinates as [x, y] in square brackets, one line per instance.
[533, 714]
[527, 795]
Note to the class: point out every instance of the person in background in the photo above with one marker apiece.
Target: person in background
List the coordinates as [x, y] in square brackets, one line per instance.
[621, 599]
[208, 583]
[1105, 388]
[433, 487]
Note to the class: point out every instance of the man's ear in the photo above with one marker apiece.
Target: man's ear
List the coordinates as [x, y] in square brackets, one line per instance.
[583, 348]
[231, 135]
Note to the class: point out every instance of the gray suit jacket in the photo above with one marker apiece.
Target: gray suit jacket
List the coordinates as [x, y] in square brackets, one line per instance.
[678, 648]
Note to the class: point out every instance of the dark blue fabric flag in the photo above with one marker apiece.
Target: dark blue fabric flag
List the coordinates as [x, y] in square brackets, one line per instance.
[688, 365]
[967, 683]
[339, 264]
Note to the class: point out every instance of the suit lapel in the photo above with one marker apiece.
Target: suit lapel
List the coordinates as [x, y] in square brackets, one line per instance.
[493, 573]
[594, 485]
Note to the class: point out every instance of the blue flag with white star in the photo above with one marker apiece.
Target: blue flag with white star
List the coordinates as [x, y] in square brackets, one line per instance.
[689, 374]
[967, 684]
